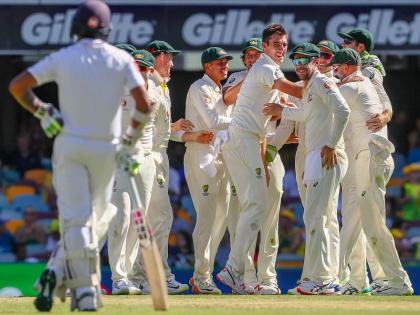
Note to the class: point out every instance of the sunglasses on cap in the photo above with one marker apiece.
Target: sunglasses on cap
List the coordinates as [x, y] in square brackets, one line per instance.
[347, 41]
[301, 61]
[326, 55]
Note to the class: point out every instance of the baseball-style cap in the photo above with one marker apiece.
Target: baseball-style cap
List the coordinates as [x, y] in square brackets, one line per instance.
[361, 36]
[214, 53]
[161, 46]
[144, 58]
[306, 49]
[127, 47]
[255, 43]
[346, 56]
[328, 44]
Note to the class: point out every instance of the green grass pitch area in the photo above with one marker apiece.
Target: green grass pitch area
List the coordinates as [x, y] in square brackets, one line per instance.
[240, 305]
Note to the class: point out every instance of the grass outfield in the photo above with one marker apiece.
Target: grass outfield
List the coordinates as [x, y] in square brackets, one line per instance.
[243, 305]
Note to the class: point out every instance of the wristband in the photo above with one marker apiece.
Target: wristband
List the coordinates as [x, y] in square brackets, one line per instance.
[142, 118]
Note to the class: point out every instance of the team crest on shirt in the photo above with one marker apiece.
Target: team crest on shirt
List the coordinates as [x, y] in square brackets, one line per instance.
[258, 172]
[233, 190]
[231, 80]
[161, 181]
[124, 103]
[205, 190]
[309, 97]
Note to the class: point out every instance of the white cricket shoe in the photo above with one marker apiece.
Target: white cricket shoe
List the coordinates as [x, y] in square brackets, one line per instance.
[330, 289]
[307, 287]
[229, 279]
[348, 289]
[267, 288]
[175, 287]
[84, 299]
[375, 285]
[122, 287]
[204, 287]
[294, 291]
[387, 289]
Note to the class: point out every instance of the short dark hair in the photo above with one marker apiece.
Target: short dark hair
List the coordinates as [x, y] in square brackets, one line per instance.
[273, 29]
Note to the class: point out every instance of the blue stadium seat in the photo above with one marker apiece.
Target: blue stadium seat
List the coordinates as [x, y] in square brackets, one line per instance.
[35, 201]
[3, 201]
[10, 214]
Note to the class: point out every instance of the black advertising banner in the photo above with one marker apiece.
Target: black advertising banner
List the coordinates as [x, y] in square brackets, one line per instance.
[46, 27]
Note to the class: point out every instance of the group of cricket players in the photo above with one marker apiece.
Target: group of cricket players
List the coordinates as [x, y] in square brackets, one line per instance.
[337, 113]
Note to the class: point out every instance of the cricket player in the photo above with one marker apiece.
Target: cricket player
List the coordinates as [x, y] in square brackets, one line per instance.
[123, 245]
[210, 192]
[327, 50]
[264, 280]
[88, 131]
[159, 212]
[245, 157]
[371, 166]
[362, 41]
[122, 239]
[325, 114]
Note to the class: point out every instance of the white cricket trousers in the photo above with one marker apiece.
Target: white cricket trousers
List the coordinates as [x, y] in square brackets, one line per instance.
[354, 255]
[123, 242]
[269, 240]
[83, 174]
[210, 196]
[320, 218]
[160, 216]
[373, 173]
[242, 154]
[334, 231]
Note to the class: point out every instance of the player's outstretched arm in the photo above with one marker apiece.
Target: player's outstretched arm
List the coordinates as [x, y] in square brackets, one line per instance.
[202, 136]
[182, 124]
[230, 94]
[288, 87]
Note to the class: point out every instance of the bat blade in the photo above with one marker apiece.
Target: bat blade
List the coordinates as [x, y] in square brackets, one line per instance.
[155, 276]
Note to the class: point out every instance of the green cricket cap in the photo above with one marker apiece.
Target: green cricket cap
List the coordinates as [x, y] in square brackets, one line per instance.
[127, 47]
[255, 43]
[361, 36]
[346, 56]
[214, 53]
[144, 58]
[328, 44]
[158, 46]
[306, 49]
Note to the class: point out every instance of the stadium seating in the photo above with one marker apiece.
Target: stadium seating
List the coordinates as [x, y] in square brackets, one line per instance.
[35, 201]
[16, 190]
[37, 175]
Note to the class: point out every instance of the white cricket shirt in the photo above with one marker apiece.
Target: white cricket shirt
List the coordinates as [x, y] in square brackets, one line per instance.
[92, 76]
[363, 101]
[257, 90]
[325, 114]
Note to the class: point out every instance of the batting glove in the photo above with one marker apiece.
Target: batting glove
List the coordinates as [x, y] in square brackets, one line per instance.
[128, 158]
[51, 119]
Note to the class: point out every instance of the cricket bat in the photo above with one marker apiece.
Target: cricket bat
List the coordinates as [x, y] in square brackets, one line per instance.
[150, 253]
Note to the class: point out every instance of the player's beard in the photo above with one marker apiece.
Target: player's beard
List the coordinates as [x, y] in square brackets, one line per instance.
[303, 73]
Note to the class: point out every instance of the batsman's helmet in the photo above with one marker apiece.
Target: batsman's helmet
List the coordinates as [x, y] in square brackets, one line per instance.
[92, 19]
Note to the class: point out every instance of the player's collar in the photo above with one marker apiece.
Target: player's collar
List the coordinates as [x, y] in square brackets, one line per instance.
[355, 73]
[210, 81]
[269, 60]
[158, 79]
[313, 78]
